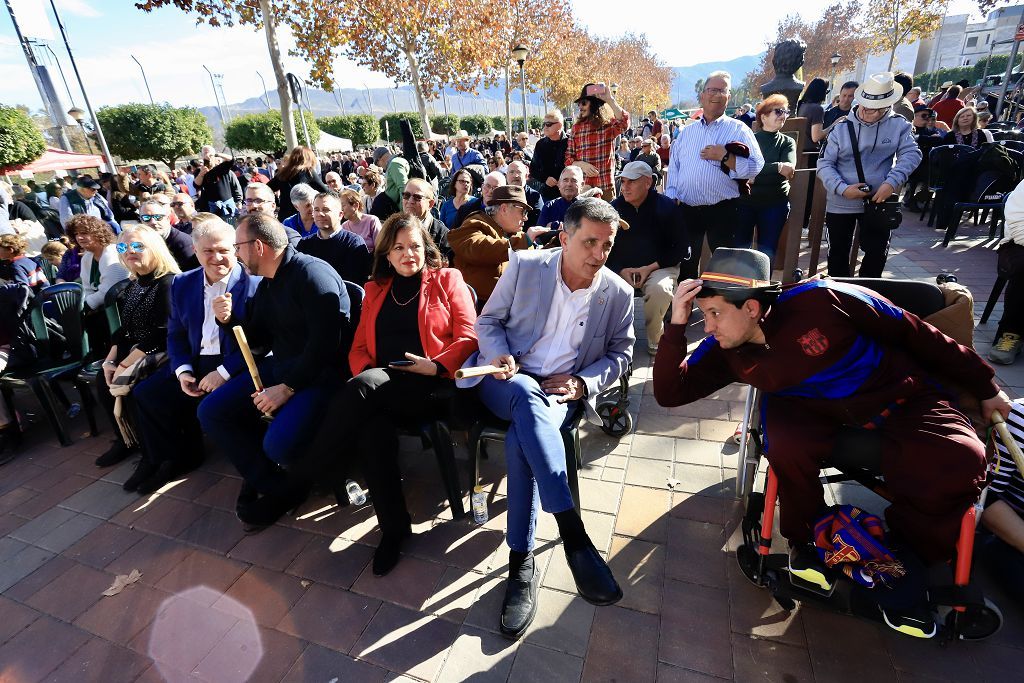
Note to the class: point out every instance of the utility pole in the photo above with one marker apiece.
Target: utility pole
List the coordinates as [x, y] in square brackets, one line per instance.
[266, 96]
[216, 96]
[88, 105]
[369, 102]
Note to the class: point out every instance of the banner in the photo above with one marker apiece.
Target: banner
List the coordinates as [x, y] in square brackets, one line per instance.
[31, 18]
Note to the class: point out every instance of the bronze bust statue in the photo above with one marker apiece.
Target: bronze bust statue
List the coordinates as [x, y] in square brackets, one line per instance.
[786, 60]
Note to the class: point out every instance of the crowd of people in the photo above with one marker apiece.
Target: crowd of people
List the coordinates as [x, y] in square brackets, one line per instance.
[363, 282]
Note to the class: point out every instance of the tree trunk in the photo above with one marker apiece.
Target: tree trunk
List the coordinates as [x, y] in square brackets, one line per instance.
[283, 94]
[421, 103]
[892, 57]
[508, 103]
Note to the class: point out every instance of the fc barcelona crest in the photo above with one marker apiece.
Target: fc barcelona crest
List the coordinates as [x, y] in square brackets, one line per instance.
[814, 343]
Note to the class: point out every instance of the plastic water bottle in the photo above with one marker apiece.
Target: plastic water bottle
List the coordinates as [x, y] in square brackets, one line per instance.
[479, 504]
[356, 495]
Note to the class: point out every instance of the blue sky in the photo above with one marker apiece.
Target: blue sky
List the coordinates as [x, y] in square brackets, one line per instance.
[105, 33]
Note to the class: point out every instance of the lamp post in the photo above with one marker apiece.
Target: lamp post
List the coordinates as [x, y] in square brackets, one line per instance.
[520, 53]
[643, 108]
[144, 79]
[79, 117]
[266, 97]
[216, 97]
[835, 62]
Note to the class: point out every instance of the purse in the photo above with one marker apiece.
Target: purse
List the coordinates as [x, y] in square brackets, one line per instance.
[877, 216]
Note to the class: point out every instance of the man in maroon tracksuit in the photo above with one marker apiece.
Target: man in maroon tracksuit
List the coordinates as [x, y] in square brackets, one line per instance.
[825, 356]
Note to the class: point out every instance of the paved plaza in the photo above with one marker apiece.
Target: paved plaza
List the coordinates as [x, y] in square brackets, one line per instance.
[298, 601]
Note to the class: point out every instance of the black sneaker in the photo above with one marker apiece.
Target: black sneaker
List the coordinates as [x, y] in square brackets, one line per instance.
[117, 452]
[143, 471]
[916, 622]
[806, 565]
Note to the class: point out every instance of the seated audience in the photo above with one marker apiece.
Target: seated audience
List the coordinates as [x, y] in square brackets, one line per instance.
[461, 187]
[416, 312]
[203, 356]
[345, 251]
[418, 199]
[154, 214]
[476, 204]
[966, 130]
[558, 358]
[1003, 550]
[366, 225]
[100, 268]
[259, 198]
[145, 305]
[569, 185]
[299, 312]
[483, 242]
[302, 196]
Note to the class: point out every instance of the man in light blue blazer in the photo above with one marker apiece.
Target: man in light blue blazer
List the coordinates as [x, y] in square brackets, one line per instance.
[562, 325]
[203, 355]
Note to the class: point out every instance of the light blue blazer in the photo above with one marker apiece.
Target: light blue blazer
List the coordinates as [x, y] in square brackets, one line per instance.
[513, 320]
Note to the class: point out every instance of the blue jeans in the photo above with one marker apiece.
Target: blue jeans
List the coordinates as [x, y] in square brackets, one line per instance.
[769, 221]
[534, 452]
[229, 417]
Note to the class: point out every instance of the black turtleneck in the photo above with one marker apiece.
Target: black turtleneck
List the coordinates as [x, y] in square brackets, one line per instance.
[398, 328]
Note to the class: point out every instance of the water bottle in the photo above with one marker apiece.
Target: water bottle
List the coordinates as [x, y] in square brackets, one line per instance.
[356, 495]
[479, 504]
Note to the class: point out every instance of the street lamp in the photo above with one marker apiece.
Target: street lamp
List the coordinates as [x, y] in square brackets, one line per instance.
[144, 79]
[835, 62]
[520, 53]
[643, 108]
[615, 89]
[79, 116]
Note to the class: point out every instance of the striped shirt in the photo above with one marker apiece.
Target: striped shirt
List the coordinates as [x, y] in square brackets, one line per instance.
[596, 145]
[701, 182]
[1006, 480]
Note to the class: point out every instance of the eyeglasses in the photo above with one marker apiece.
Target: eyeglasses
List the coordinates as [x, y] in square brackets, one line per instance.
[236, 245]
[255, 200]
[409, 196]
[148, 217]
[177, 204]
[780, 112]
[122, 247]
[550, 123]
[717, 91]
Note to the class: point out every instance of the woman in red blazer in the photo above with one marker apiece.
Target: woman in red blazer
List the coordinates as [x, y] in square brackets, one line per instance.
[415, 331]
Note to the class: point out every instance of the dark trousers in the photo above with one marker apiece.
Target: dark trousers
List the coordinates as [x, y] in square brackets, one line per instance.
[932, 461]
[1006, 564]
[717, 221]
[768, 220]
[1013, 307]
[168, 425]
[361, 425]
[874, 243]
[260, 452]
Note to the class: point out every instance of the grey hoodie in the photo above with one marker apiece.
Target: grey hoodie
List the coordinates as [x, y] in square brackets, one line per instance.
[892, 136]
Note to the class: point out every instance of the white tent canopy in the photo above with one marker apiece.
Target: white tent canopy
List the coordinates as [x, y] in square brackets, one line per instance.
[332, 143]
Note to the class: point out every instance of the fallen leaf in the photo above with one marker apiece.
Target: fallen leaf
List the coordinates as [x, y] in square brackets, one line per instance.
[122, 581]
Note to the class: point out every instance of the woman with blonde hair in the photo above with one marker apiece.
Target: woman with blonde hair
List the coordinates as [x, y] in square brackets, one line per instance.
[145, 305]
[300, 166]
[966, 130]
[366, 225]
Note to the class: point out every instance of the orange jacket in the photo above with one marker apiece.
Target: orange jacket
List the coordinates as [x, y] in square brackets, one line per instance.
[446, 316]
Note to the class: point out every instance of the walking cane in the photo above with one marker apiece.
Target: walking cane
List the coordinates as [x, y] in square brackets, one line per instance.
[1008, 441]
[243, 345]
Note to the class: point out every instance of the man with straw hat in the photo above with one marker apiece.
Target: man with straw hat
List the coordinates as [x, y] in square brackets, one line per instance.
[464, 156]
[829, 356]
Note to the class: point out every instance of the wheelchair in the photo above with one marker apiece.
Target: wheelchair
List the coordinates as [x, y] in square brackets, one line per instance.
[964, 612]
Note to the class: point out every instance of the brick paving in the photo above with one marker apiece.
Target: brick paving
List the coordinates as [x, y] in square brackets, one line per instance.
[299, 603]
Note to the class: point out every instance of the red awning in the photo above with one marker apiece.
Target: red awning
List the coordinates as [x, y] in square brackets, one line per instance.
[57, 159]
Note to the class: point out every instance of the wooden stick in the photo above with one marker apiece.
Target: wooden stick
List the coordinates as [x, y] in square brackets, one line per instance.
[480, 371]
[1008, 441]
[254, 372]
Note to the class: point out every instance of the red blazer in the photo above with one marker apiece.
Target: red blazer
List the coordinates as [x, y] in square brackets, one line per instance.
[446, 315]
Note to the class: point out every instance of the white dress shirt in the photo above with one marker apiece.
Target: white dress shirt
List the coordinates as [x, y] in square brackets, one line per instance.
[555, 351]
[701, 182]
[209, 340]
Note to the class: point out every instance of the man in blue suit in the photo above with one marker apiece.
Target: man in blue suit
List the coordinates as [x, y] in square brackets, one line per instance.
[203, 356]
[557, 357]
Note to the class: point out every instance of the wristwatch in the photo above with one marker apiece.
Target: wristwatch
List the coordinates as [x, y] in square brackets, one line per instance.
[726, 157]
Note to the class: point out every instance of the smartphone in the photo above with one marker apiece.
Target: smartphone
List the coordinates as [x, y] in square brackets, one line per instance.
[595, 90]
[401, 363]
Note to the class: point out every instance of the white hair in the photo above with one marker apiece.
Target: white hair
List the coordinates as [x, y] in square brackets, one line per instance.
[498, 177]
[519, 164]
[724, 75]
[575, 170]
[211, 227]
[302, 193]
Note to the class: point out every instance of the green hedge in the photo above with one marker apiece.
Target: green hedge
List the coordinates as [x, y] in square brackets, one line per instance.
[393, 130]
[476, 124]
[931, 80]
[263, 132]
[361, 129]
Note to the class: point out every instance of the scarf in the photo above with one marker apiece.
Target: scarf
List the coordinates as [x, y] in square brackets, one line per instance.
[960, 138]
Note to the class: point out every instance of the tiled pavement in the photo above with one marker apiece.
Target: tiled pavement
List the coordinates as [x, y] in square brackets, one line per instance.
[298, 602]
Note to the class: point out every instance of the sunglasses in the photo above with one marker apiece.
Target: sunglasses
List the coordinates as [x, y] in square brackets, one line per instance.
[148, 217]
[177, 204]
[409, 196]
[122, 247]
[780, 112]
[550, 123]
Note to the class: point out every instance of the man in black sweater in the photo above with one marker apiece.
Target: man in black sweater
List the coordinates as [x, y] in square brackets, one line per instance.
[345, 251]
[301, 312]
[549, 156]
[647, 255]
[157, 216]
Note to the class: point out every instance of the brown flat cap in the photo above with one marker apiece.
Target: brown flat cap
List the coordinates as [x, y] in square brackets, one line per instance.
[510, 194]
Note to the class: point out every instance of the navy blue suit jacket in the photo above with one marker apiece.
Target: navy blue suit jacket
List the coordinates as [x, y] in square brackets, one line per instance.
[185, 326]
